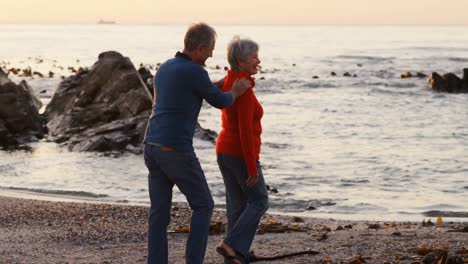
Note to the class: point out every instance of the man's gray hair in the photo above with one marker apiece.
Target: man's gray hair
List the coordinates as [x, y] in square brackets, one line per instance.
[197, 34]
[240, 49]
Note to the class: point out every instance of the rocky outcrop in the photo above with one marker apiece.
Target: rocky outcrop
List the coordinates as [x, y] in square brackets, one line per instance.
[408, 74]
[449, 82]
[147, 78]
[104, 108]
[20, 121]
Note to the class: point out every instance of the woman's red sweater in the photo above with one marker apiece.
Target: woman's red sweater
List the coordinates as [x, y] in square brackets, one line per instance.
[241, 127]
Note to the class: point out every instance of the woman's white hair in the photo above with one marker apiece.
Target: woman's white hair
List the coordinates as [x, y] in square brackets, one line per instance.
[240, 49]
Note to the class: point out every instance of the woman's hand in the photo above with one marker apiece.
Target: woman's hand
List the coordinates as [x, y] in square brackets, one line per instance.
[251, 180]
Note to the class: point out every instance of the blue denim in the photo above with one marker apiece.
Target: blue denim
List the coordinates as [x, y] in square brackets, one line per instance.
[166, 168]
[245, 206]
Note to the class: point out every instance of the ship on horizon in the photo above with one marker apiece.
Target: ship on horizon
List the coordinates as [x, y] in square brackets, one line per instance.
[106, 22]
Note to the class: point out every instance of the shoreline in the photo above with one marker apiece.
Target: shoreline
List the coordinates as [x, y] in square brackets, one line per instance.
[34, 230]
[358, 217]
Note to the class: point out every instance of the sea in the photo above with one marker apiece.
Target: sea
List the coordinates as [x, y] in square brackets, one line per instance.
[344, 137]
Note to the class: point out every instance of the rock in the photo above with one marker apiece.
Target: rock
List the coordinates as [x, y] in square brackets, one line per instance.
[20, 121]
[333, 73]
[297, 219]
[37, 103]
[464, 88]
[347, 74]
[437, 82]
[421, 75]
[374, 226]
[104, 108]
[147, 77]
[406, 75]
[453, 82]
[40, 75]
[465, 75]
[449, 82]
[205, 134]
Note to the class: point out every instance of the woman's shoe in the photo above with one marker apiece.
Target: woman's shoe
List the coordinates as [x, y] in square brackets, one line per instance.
[229, 258]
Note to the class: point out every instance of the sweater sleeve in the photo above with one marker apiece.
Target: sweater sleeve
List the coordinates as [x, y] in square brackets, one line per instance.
[245, 111]
[211, 93]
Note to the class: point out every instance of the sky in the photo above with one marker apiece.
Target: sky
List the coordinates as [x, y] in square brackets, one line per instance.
[238, 12]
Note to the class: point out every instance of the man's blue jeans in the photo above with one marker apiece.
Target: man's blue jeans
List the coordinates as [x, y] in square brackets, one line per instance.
[245, 206]
[166, 168]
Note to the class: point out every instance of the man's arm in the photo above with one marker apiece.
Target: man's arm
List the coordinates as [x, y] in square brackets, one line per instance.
[214, 96]
[219, 83]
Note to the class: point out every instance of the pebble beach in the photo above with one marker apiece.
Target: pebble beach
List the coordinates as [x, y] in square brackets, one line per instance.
[35, 231]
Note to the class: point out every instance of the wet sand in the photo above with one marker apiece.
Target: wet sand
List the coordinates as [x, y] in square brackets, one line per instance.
[34, 231]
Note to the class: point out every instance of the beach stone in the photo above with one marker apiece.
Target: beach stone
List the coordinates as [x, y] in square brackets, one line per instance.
[104, 108]
[20, 121]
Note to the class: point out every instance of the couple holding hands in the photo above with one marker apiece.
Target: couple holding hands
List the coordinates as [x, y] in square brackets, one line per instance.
[181, 84]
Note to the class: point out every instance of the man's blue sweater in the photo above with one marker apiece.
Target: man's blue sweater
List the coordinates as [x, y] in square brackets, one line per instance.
[180, 86]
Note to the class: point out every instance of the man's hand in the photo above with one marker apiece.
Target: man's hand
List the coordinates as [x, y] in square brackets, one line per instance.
[239, 87]
[251, 180]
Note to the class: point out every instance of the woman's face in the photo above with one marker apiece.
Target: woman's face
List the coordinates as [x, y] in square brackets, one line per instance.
[250, 65]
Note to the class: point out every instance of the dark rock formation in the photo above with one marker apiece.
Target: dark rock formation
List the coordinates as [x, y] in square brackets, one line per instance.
[449, 82]
[20, 121]
[408, 74]
[147, 78]
[104, 108]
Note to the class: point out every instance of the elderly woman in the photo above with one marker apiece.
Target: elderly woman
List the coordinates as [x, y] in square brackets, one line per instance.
[238, 151]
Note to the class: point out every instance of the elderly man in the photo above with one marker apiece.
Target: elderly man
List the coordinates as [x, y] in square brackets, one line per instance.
[180, 86]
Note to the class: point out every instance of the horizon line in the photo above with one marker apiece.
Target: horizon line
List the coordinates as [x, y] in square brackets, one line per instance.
[218, 24]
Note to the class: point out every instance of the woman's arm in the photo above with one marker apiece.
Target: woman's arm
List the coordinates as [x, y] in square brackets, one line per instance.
[245, 113]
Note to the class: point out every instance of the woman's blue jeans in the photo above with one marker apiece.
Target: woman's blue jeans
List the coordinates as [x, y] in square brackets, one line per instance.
[245, 206]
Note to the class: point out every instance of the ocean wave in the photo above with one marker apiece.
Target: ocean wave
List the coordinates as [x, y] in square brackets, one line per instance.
[318, 85]
[354, 181]
[297, 205]
[361, 57]
[386, 84]
[434, 48]
[277, 145]
[458, 59]
[360, 207]
[436, 213]
[60, 192]
[393, 92]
